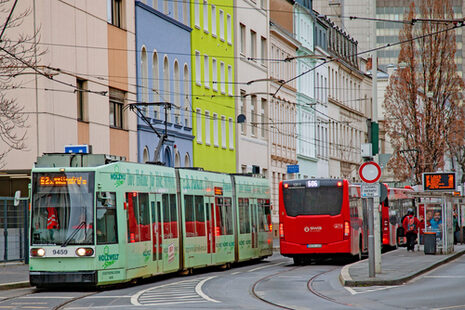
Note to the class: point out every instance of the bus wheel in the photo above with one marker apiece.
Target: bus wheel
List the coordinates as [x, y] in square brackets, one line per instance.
[297, 260]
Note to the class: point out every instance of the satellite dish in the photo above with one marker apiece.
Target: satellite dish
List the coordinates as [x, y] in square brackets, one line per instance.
[240, 118]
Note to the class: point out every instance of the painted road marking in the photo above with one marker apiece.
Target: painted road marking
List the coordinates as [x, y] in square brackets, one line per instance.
[182, 292]
[363, 290]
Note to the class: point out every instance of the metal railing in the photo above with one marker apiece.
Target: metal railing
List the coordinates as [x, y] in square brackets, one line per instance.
[13, 223]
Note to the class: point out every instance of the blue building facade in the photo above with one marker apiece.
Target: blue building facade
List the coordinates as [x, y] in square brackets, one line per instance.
[306, 111]
[164, 76]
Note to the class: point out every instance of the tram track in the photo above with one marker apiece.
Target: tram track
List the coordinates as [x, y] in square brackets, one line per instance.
[73, 300]
[256, 295]
[315, 292]
[28, 295]
[309, 287]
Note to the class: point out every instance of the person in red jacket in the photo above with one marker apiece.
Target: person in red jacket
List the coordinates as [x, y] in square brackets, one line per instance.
[411, 225]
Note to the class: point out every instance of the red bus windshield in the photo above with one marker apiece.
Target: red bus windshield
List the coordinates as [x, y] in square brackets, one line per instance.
[312, 197]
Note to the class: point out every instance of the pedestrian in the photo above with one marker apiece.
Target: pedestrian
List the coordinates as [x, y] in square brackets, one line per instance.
[411, 224]
[436, 224]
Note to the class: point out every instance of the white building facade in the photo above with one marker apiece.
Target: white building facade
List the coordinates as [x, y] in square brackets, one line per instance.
[252, 101]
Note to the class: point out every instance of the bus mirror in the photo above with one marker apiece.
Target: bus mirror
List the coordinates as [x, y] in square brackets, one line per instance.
[17, 198]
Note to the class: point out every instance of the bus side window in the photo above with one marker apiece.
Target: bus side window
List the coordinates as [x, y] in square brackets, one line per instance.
[106, 218]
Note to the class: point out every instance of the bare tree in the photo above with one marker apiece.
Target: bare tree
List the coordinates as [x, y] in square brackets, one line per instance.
[423, 116]
[18, 55]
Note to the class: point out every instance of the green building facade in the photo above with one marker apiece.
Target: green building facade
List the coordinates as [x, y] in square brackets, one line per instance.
[213, 109]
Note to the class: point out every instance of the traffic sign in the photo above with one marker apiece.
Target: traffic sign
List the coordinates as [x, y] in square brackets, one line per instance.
[370, 190]
[292, 168]
[369, 172]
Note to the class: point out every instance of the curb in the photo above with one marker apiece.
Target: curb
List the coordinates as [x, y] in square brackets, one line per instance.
[13, 285]
[346, 279]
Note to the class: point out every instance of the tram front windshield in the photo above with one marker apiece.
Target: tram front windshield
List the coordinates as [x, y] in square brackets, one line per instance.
[62, 208]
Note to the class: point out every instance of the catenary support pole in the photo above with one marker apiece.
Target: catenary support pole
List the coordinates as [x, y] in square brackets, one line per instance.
[374, 75]
[371, 240]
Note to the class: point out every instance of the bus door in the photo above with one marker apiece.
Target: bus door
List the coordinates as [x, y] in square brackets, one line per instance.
[211, 227]
[254, 223]
[157, 224]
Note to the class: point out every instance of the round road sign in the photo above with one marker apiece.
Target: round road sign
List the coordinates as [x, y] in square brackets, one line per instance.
[369, 172]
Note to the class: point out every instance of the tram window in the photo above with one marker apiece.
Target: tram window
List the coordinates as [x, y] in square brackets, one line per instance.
[190, 215]
[228, 216]
[133, 217]
[106, 218]
[219, 208]
[244, 216]
[144, 217]
[199, 216]
[170, 229]
[264, 215]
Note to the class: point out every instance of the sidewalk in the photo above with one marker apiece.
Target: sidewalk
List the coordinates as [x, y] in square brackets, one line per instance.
[397, 267]
[13, 275]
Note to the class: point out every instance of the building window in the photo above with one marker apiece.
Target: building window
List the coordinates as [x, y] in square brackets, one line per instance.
[186, 97]
[166, 80]
[199, 125]
[221, 25]
[176, 9]
[155, 85]
[177, 92]
[253, 44]
[213, 20]
[230, 81]
[215, 129]
[242, 34]
[253, 112]
[166, 9]
[116, 108]
[222, 77]
[185, 10]
[206, 72]
[229, 28]
[214, 74]
[145, 155]
[205, 16]
[263, 50]
[198, 68]
[242, 110]
[144, 67]
[115, 14]
[81, 96]
[197, 13]
[231, 134]
[223, 131]
[263, 117]
[207, 127]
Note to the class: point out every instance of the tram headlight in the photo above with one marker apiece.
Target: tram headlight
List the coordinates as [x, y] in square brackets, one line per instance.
[37, 252]
[84, 251]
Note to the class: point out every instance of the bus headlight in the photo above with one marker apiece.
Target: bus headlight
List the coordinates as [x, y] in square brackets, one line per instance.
[37, 252]
[84, 251]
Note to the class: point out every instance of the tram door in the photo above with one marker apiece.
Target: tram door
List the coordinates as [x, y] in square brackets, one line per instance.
[210, 218]
[254, 222]
[157, 228]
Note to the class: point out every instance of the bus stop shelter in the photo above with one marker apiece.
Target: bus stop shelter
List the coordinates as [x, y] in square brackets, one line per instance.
[436, 210]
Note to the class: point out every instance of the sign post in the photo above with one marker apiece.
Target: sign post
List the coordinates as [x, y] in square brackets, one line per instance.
[370, 172]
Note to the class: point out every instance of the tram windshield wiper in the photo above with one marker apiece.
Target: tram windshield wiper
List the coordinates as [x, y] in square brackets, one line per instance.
[83, 223]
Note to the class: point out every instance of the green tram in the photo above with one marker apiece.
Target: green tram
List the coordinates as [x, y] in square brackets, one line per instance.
[99, 221]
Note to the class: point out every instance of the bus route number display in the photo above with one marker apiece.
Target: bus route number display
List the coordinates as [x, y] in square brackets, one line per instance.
[439, 181]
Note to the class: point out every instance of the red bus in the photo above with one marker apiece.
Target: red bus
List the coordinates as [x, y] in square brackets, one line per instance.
[321, 218]
[393, 209]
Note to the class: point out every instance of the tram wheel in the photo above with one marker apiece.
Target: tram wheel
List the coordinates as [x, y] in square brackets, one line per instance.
[297, 260]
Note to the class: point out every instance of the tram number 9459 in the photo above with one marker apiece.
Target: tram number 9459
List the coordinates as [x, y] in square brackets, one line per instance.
[60, 252]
